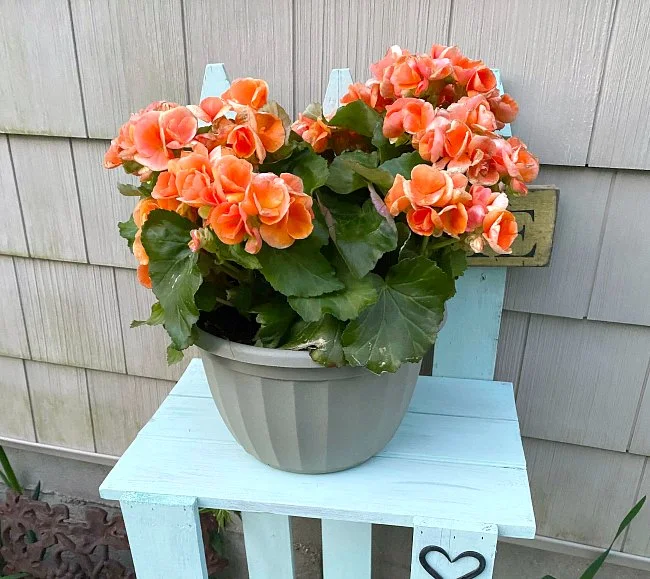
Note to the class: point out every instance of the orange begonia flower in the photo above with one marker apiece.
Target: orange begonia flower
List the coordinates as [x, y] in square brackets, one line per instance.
[252, 92]
[314, 132]
[270, 130]
[296, 224]
[245, 142]
[429, 186]
[193, 177]
[143, 276]
[227, 222]
[454, 219]
[500, 230]
[408, 115]
[482, 81]
[396, 199]
[267, 197]
[178, 127]
[232, 176]
[165, 187]
[425, 221]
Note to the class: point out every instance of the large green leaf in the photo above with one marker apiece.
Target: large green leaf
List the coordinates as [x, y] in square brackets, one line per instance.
[385, 148]
[403, 164]
[361, 234]
[174, 272]
[321, 338]
[304, 163]
[300, 270]
[275, 318]
[128, 229]
[358, 117]
[343, 178]
[403, 323]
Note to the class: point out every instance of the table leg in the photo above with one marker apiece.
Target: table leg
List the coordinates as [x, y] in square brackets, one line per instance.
[347, 550]
[269, 548]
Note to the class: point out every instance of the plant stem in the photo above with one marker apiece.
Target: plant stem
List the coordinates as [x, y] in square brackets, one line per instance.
[9, 473]
[219, 301]
[425, 242]
[231, 270]
[444, 243]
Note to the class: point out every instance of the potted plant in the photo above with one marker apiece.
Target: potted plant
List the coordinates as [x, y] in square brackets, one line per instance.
[312, 261]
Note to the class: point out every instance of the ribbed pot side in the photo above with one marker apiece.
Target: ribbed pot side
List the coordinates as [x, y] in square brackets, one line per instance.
[294, 415]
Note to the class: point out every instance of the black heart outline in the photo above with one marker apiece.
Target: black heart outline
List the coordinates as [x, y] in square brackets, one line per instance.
[480, 559]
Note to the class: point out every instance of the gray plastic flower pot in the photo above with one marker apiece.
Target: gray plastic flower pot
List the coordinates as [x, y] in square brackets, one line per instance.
[295, 415]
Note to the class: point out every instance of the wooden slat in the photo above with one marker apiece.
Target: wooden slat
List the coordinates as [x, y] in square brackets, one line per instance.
[580, 494]
[40, 93]
[581, 381]
[13, 336]
[60, 405]
[638, 538]
[563, 288]
[121, 405]
[255, 40]
[17, 419]
[620, 131]
[623, 277]
[347, 550]
[71, 314]
[269, 547]
[130, 53]
[364, 31]
[512, 341]
[554, 123]
[640, 443]
[102, 206]
[48, 195]
[12, 234]
[145, 347]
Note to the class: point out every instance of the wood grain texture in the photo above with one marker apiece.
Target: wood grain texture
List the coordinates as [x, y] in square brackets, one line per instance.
[580, 494]
[364, 31]
[60, 405]
[640, 442]
[130, 53]
[71, 314]
[12, 233]
[581, 381]
[251, 38]
[121, 405]
[564, 287]
[620, 291]
[637, 541]
[13, 335]
[145, 347]
[54, 229]
[621, 127]
[512, 342]
[16, 419]
[554, 124]
[102, 206]
[40, 93]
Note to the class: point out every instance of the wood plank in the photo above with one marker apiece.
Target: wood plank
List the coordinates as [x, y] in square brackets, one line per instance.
[580, 494]
[71, 314]
[60, 405]
[269, 548]
[581, 381]
[145, 347]
[121, 405]
[554, 123]
[137, 48]
[563, 288]
[378, 24]
[41, 94]
[512, 342]
[640, 442]
[49, 197]
[620, 130]
[620, 291]
[347, 550]
[12, 233]
[17, 419]
[260, 45]
[102, 206]
[637, 541]
[13, 335]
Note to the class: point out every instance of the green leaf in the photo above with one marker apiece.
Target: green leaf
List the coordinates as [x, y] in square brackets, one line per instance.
[131, 167]
[206, 296]
[385, 148]
[174, 272]
[403, 323]
[156, 317]
[320, 235]
[14, 576]
[356, 116]
[378, 176]
[300, 270]
[303, 162]
[343, 178]
[403, 164]
[174, 356]
[453, 261]
[361, 235]
[321, 338]
[128, 190]
[275, 319]
[224, 252]
[128, 229]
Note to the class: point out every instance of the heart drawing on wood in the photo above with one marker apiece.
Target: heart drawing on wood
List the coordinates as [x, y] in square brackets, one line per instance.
[480, 560]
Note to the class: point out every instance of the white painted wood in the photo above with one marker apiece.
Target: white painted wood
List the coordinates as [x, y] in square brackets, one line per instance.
[12, 233]
[60, 405]
[637, 541]
[566, 48]
[455, 539]
[269, 548]
[215, 81]
[40, 92]
[71, 314]
[347, 550]
[621, 125]
[620, 291]
[564, 287]
[102, 206]
[13, 336]
[49, 197]
[138, 47]
[512, 341]
[260, 44]
[581, 381]
[164, 535]
[121, 405]
[16, 419]
[59, 451]
[340, 80]
[580, 494]
[640, 442]
[364, 31]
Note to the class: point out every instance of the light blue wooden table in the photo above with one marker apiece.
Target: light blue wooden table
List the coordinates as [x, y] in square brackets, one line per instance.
[455, 471]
